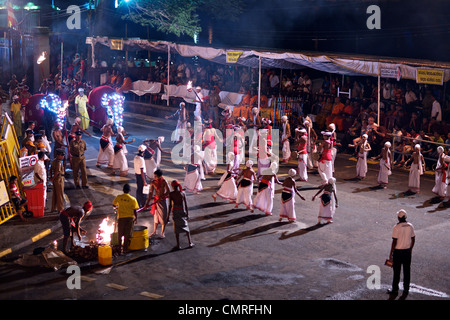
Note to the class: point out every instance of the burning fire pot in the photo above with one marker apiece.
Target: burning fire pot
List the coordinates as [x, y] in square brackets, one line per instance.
[105, 253]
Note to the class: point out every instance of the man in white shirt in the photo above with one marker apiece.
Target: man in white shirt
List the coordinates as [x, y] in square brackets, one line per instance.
[198, 104]
[436, 112]
[40, 173]
[403, 239]
[140, 172]
[274, 80]
[410, 96]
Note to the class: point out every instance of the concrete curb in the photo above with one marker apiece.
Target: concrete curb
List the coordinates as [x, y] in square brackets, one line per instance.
[30, 241]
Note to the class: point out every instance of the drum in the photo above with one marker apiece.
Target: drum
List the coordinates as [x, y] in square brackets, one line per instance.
[316, 156]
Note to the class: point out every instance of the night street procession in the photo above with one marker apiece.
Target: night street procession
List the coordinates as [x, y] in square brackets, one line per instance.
[229, 158]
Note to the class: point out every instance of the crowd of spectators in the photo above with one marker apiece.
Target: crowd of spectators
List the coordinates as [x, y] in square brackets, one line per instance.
[410, 113]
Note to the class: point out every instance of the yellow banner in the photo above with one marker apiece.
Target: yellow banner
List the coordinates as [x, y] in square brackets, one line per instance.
[233, 56]
[430, 76]
[116, 44]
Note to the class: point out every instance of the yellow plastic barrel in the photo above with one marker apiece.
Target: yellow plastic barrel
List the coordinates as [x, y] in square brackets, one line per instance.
[139, 240]
[105, 255]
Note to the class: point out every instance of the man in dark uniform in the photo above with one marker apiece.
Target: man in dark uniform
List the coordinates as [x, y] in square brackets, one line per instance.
[77, 150]
[57, 177]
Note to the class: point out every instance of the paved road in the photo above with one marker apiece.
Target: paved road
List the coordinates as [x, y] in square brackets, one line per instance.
[241, 255]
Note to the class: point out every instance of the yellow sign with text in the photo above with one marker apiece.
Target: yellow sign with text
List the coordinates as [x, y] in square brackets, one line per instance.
[430, 76]
[233, 56]
[116, 44]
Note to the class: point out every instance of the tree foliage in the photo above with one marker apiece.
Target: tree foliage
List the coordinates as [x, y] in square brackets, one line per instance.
[180, 17]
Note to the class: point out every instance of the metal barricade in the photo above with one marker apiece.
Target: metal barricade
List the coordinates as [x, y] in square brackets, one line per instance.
[419, 141]
[9, 164]
[286, 106]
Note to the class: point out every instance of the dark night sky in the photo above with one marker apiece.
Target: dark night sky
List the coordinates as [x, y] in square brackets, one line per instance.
[416, 29]
[410, 29]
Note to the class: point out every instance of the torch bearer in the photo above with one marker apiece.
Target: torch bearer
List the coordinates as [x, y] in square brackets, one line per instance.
[189, 88]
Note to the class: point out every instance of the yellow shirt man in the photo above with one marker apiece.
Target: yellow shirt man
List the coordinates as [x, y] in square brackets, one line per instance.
[81, 105]
[17, 117]
[126, 205]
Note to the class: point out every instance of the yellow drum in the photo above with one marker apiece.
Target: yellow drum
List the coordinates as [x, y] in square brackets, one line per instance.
[139, 240]
[105, 255]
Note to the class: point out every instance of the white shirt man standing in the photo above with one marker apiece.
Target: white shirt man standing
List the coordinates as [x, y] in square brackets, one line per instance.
[40, 172]
[436, 112]
[140, 172]
[198, 104]
[403, 239]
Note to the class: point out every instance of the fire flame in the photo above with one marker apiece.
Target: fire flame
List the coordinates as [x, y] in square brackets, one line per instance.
[189, 86]
[105, 229]
[42, 57]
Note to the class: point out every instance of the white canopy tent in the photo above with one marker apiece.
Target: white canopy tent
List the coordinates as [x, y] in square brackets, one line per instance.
[344, 64]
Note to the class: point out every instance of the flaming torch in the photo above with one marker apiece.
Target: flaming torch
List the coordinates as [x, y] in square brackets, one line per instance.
[189, 86]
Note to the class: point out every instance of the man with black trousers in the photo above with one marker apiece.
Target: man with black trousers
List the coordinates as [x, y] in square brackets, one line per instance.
[403, 239]
[140, 172]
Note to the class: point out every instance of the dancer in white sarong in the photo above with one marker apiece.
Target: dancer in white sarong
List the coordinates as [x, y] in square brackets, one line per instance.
[150, 163]
[199, 156]
[159, 150]
[228, 189]
[302, 154]
[153, 154]
[106, 151]
[362, 149]
[416, 170]
[263, 155]
[209, 146]
[266, 190]
[328, 202]
[198, 100]
[332, 129]
[183, 117]
[192, 181]
[440, 173]
[120, 164]
[253, 126]
[385, 165]
[287, 209]
[311, 145]
[245, 189]
[286, 134]
[325, 166]
[238, 148]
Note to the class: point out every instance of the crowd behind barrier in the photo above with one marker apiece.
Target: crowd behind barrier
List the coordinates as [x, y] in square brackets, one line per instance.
[415, 110]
